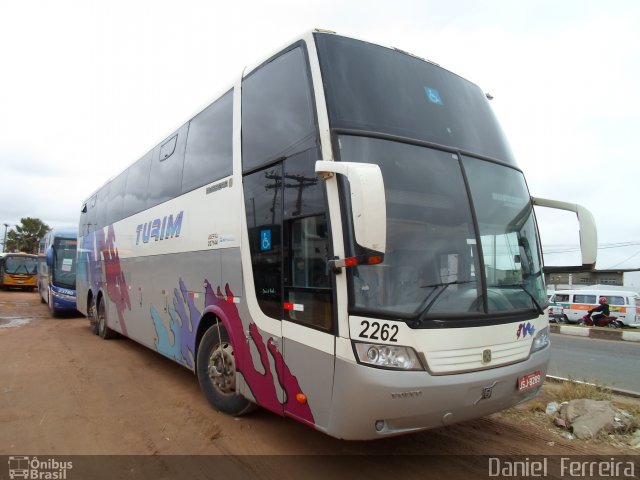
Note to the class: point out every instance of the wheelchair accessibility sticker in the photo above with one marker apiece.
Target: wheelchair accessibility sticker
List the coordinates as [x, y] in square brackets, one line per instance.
[265, 240]
[433, 95]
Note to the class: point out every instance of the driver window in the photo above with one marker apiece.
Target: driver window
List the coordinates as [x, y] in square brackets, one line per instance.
[307, 287]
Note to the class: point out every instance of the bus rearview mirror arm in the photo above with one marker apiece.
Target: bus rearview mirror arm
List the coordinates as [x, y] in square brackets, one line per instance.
[368, 205]
[588, 231]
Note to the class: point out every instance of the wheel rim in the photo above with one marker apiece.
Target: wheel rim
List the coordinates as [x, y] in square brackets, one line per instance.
[101, 319]
[222, 368]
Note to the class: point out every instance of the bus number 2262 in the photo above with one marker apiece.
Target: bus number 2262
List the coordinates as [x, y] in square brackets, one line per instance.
[377, 331]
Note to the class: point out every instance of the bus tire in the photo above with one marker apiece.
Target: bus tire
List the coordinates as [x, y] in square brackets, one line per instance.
[91, 316]
[103, 330]
[52, 310]
[216, 370]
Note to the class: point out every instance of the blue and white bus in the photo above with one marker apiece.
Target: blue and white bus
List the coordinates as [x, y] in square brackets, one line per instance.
[57, 270]
[342, 237]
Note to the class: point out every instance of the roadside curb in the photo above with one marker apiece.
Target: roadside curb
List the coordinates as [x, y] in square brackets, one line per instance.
[596, 332]
[615, 391]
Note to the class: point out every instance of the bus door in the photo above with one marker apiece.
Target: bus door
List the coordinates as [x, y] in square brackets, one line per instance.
[288, 236]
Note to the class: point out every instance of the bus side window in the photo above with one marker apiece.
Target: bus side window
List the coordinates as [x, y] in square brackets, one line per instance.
[165, 179]
[307, 282]
[209, 153]
[263, 199]
[135, 195]
[116, 198]
[88, 217]
[277, 110]
[101, 209]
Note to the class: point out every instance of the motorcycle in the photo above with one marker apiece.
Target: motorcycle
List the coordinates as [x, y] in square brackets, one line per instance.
[609, 321]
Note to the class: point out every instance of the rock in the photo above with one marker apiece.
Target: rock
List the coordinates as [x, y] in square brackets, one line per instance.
[560, 422]
[587, 418]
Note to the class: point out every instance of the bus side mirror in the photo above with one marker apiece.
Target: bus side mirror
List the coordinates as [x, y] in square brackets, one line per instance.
[368, 205]
[588, 231]
[49, 256]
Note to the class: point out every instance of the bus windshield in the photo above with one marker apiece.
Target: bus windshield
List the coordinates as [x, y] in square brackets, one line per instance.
[375, 89]
[64, 263]
[21, 264]
[435, 256]
[461, 235]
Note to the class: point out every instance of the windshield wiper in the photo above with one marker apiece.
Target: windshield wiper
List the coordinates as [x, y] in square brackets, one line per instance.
[428, 302]
[539, 308]
[446, 284]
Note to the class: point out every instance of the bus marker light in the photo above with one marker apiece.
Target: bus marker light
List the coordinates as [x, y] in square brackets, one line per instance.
[350, 262]
[379, 425]
[301, 398]
[374, 259]
[297, 307]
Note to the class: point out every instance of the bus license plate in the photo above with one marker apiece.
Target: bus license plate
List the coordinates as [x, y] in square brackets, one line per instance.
[529, 381]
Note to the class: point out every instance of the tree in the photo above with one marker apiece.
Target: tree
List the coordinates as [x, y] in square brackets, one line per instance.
[26, 237]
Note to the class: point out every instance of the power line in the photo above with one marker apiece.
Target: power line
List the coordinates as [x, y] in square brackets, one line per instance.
[626, 259]
[604, 246]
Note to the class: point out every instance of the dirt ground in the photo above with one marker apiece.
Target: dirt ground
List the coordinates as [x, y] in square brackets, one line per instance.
[63, 390]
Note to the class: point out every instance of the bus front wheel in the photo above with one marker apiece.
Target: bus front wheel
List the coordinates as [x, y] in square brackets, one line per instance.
[216, 369]
[52, 309]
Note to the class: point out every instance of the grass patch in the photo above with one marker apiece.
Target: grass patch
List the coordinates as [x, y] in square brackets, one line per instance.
[568, 391]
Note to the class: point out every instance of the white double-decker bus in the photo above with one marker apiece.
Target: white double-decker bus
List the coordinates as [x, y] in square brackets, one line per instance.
[343, 237]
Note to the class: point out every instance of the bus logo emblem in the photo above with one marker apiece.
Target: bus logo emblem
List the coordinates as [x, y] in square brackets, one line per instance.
[486, 356]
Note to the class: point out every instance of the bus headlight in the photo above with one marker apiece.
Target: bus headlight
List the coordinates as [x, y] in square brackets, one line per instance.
[541, 340]
[387, 356]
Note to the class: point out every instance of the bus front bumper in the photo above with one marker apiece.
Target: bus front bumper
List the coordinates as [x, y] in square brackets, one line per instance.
[62, 302]
[371, 403]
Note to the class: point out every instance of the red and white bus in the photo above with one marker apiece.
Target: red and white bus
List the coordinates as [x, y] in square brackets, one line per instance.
[342, 237]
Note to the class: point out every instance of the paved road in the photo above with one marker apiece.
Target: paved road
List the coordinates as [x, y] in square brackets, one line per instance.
[604, 362]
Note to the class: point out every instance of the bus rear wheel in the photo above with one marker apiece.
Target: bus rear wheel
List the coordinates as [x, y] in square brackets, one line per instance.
[103, 330]
[216, 370]
[92, 316]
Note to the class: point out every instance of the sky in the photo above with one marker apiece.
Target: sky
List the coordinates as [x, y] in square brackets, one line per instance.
[87, 87]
